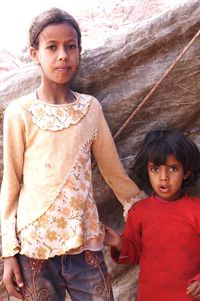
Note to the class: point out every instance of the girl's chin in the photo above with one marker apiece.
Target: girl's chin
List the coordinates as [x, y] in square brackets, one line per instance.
[169, 197]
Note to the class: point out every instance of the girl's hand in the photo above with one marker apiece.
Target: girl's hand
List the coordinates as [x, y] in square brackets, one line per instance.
[112, 238]
[194, 289]
[12, 277]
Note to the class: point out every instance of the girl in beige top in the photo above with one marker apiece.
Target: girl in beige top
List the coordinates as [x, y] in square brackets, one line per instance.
[47, 204]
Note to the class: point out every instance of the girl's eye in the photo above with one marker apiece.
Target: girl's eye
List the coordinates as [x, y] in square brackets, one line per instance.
[72, 46]
[51, 47]
[173, 168]
[154, 168]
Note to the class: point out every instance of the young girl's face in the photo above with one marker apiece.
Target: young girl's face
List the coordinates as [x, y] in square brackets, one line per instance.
[166, 179]
[58, 53]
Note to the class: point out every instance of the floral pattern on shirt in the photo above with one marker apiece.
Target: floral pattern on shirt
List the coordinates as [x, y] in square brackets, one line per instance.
[58, 117]
[71, 220]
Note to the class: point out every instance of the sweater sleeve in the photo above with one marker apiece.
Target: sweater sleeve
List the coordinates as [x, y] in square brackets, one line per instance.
[195, 278]
[196, 226]
[111, 168]
[13, 150]
[131, 241]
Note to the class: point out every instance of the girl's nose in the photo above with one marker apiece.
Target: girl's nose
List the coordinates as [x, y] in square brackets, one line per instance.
[63, 55]
[163, 175]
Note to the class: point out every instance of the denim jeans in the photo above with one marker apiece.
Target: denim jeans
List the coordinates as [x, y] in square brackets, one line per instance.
[84, 276]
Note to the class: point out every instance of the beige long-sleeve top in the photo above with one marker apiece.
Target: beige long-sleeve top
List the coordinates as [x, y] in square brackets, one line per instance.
[47, 205]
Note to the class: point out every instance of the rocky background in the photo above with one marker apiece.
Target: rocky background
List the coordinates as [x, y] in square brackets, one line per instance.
[127, 47]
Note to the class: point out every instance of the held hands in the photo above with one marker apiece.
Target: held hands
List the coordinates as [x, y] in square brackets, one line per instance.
[194, 289]
[112, 238]
[12, 277]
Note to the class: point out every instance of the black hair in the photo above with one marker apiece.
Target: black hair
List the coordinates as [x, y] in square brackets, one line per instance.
[53, 16]
[158, 145]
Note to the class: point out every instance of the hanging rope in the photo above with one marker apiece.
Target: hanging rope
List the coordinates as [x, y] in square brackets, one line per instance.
[155, 87]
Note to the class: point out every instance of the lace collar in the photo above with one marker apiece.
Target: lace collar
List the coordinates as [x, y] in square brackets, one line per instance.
[58, 117]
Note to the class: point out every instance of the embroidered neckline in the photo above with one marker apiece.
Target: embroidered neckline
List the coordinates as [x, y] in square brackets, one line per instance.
[58, 117]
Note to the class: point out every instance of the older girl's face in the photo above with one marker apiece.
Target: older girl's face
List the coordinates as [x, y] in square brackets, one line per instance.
[166, 179]
[58, 53]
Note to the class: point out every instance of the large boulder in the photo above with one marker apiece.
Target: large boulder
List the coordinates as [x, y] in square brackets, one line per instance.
[120, 70]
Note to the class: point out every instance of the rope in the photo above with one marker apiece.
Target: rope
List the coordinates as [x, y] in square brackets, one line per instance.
[155, 87]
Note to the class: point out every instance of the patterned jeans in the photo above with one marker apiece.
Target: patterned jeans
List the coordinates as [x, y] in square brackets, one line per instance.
[84, 276]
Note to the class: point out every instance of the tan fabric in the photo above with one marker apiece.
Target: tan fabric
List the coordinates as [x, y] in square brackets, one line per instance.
[41, 145]
[71, 223]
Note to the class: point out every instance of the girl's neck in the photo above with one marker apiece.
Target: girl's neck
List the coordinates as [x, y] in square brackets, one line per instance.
[60, 95]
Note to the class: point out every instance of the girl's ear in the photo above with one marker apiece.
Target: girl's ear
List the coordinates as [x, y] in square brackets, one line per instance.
[34, 55]
[186, 174]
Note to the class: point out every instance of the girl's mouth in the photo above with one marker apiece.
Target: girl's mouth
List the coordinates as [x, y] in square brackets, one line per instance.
[164, 188]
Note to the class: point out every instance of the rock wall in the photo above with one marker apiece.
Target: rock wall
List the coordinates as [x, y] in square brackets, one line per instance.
[120, 71]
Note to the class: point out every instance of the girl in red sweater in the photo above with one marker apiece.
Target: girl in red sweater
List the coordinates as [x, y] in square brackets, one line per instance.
[162, 232]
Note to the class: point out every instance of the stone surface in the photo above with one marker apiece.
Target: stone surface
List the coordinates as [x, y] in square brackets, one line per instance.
[120, 67]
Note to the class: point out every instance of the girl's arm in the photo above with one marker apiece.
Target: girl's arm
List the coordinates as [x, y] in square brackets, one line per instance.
[112, 239]
[111, 168]
[125, 248]
[13, 152]
[193, 288]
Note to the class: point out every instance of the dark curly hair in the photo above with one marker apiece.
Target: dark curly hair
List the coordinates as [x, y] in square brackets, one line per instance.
[158, 145]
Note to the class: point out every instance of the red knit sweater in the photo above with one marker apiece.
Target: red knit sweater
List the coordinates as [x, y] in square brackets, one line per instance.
[164, 238]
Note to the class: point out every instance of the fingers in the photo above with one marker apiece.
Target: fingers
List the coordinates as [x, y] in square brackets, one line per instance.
[194, 290]
[109, 234]
[107, 228]
[12, 289]
[112, 238]
[18, 277]
[108, 238]
[12, 277]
